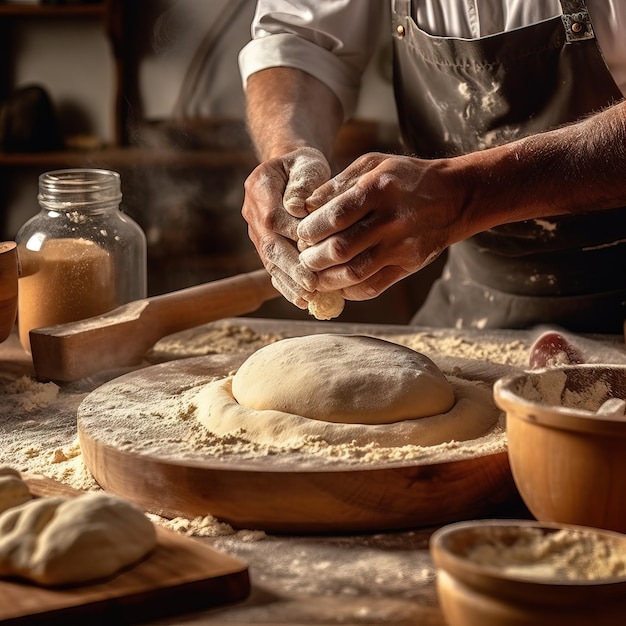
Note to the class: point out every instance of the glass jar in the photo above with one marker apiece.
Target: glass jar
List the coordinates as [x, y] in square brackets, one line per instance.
[80, 256]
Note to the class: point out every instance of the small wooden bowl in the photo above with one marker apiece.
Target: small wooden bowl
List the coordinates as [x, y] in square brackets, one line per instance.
[8, 287]
[568, 462]
[475, 591]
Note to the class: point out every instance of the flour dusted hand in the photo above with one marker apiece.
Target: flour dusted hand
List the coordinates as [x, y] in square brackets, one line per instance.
[274, 204]
[307, 171]
[67, 541]
[381, 219]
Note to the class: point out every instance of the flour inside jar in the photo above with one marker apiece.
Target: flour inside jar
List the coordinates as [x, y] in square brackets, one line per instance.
[63, 281]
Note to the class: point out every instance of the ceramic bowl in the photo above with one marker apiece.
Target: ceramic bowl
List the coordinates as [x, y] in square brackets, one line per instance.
[8, 287]
[566, 449]
[523, 573]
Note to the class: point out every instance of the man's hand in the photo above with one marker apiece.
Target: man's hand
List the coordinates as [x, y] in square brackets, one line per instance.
[381, 219]
[274, 204]
[385, 217]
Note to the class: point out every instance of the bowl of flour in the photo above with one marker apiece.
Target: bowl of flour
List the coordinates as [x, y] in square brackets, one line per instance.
[518, 572]
[566, 436]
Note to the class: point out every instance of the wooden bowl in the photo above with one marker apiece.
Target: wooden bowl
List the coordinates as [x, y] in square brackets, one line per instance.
[8, 287]
[568, 462]
[493, 573]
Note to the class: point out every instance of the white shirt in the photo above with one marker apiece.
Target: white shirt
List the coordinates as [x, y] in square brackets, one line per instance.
[334, 39]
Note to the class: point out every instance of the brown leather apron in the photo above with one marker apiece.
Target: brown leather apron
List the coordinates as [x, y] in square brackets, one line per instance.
[462, 95]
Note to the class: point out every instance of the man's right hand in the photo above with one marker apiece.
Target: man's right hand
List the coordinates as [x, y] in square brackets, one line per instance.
[274, 204]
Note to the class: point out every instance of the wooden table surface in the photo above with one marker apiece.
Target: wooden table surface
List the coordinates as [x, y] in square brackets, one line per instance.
[383, 578]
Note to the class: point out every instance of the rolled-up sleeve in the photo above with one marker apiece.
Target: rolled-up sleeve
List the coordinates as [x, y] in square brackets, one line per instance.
[333, 40]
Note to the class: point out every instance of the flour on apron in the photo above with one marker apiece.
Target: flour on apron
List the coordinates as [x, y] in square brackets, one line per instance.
[457, 96]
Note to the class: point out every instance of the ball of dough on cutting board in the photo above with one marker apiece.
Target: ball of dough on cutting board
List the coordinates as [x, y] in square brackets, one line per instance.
[13, 490]
[343, 378]
[65, 541]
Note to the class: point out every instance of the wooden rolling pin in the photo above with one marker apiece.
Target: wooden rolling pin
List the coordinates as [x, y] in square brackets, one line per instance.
[121, 337]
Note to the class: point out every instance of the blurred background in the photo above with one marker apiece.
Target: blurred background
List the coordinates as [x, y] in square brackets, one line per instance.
[151, 89]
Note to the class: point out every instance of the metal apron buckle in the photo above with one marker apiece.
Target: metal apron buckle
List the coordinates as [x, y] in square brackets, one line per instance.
[576, 21]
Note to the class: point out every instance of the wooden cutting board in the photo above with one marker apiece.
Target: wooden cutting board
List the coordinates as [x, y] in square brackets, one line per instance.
[181, 575]
[265, 494]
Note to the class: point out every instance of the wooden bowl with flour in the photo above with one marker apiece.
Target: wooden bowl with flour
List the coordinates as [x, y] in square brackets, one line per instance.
[566, 433]
[525, 573]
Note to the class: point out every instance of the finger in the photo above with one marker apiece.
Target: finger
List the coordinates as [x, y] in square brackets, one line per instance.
[343, 247]
[283, 223]
[342, 181]
[361, 271]
[373, 286]
[336, 215]
[281, 253]
[291, 291]
[306, 171]
[263, 207]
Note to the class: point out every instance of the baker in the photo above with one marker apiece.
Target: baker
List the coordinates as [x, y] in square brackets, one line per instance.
[514, 116]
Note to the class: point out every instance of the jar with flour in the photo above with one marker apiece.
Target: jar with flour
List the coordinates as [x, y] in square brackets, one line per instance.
[80, 256]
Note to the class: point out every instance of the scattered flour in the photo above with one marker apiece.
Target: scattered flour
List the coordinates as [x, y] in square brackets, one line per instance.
[226, 336]
[374, 578]
[511, 352]
[26, 394]
[220, 338]
[38, 429]
[207, 526]
[38, 420]
[164, 424]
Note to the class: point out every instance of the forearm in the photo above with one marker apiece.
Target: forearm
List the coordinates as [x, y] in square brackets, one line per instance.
[289, 109]
[580, 167]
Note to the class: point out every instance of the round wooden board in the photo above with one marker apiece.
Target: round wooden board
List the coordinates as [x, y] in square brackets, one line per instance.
[275, 497]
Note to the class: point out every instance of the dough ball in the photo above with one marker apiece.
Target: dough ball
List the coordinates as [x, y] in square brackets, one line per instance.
[351, 379]
[66, 541]
[473, 415]
[326, 305]
[13, 490]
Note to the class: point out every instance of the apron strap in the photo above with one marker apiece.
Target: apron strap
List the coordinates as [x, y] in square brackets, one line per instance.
[401, 8]
[576, 21]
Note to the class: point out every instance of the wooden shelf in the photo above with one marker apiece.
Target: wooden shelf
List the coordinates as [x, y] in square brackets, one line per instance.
[46, 10]
[121, 157]
[117, 18]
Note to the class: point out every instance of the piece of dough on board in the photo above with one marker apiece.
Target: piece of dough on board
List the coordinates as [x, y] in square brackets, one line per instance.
[66, 541]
